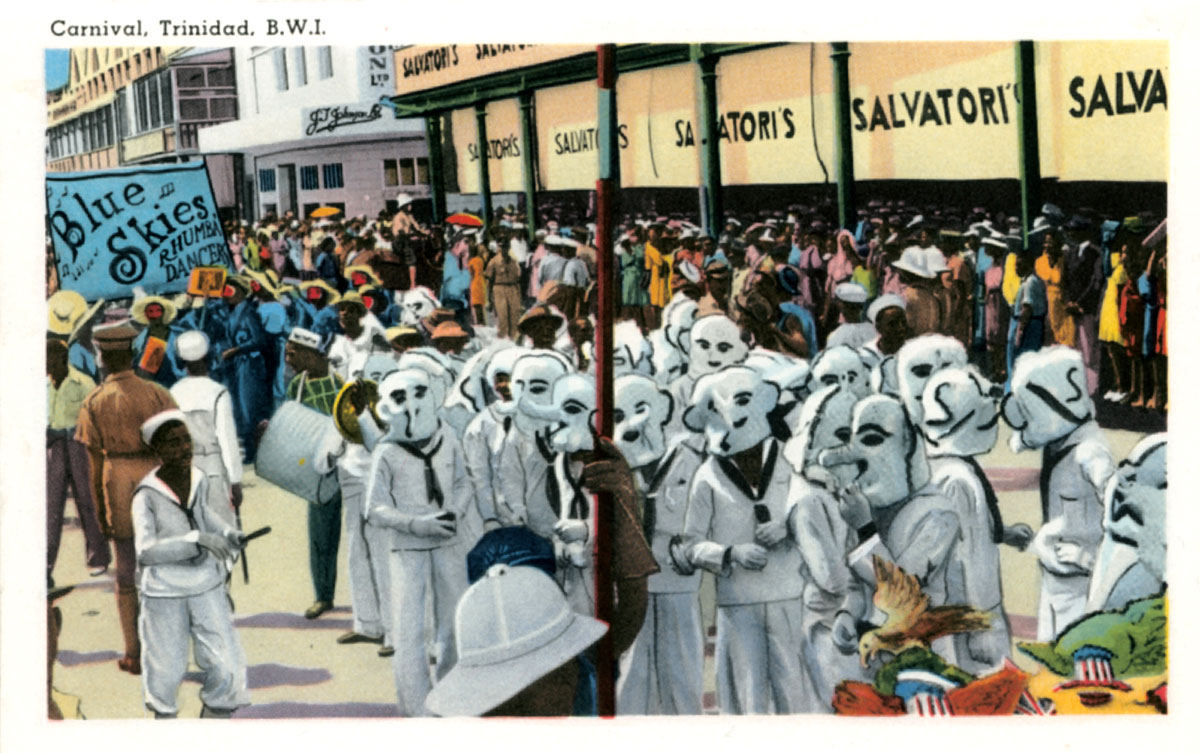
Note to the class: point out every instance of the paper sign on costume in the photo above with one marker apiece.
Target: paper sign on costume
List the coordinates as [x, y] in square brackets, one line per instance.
[207, 281]
[146, 226]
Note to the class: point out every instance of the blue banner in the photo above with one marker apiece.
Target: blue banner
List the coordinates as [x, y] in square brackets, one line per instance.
[144, 226]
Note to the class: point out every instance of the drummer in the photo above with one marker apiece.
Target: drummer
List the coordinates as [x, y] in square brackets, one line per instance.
[316, 386]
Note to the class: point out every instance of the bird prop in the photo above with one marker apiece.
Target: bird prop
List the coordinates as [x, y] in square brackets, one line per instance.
[911, 622]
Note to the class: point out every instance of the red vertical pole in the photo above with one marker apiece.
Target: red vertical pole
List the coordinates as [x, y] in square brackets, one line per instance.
[606, 81]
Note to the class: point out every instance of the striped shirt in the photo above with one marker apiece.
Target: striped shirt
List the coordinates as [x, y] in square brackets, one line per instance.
[319, 393]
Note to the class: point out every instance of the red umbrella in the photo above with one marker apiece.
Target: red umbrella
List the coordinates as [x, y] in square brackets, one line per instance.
[462, 218]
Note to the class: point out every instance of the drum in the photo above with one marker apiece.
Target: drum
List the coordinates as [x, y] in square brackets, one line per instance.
[287, 452]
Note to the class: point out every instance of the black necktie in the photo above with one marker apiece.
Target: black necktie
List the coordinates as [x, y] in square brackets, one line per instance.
[431, 482]
[1050, 460]
[989, 495]
[657, 472]
[580, 509]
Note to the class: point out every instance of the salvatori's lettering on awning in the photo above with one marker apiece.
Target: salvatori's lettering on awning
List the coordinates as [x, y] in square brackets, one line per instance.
[984, 105]
[1125, 93]
[329, 119]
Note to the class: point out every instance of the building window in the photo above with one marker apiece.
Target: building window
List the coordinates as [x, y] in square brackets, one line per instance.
[193, 109]
[423, 170]
[324, 62]
[281, 72]
[333, 175]
[390, 175]
[223, 108]
[266, 180]
[189, 78]
[268, 209]
[221, 76]
[300, 66]
[407, 172]
[308, 178]
[153, 105]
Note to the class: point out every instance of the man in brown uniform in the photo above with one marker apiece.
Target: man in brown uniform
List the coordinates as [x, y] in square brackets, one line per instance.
[504, 280]
[109, 426]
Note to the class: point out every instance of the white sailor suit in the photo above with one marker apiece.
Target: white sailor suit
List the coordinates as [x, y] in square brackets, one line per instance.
[182, 589]
[404, 483]
[1075, 470]
[663, 671]
[974, 578]
[523, 464]
[759, 612]
[208, 408]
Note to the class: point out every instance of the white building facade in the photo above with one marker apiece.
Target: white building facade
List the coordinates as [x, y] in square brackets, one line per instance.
[313, 131]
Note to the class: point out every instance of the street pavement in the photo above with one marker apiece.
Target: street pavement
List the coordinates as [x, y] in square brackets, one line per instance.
[297, 670]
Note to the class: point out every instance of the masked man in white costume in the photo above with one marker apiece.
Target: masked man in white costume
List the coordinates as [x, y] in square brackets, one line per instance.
[418, 487]
[1049, 409]
[525, 455]
[896, 510]
[663, 672]
[736, 528]
[714, 342]
[1132, 560]
[483, 440]
[918, 360]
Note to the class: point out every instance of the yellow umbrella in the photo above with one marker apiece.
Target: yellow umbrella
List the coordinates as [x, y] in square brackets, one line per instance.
[325, 212]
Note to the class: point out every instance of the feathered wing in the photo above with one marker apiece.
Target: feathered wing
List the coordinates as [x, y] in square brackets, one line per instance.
[899, 596]
[939, 621]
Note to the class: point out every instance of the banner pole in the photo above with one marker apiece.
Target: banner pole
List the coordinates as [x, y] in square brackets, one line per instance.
[606, 187]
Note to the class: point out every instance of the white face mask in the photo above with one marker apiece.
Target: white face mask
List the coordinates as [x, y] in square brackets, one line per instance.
[631, 351]
[667, 360]
[825, 422]
[531, 384]
[883, 450]
[841, 365]
[378, 366]
[432, 363]
[408, 404]
[921, 358]
[641, 410]
[1136, 509]
[678, 318]
[960, 414]
[731, 407]
[569, 414]
[415, 305]
[1049, 397]
[502, 363]
[716, 343]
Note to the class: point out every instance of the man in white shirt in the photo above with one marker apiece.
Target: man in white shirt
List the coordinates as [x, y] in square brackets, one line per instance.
[364, 336]
[209, 411]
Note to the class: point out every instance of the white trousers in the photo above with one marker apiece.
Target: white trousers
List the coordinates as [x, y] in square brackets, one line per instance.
[758, 658]
[365, 601]
[663, 671]
[1064, 599]
[826, 665]
[166, 625]
[415, 575]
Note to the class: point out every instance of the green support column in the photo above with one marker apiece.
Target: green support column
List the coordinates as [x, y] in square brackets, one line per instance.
[1027, 138]
[437, 183]
[485, 183]
[847, 216]
[710, 143]
[529, 163]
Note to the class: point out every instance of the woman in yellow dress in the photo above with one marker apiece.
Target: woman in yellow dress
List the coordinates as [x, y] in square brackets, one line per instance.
[1049, 268]
[1110, 324]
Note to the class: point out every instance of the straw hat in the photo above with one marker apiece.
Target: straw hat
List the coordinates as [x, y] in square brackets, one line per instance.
[137, 311]
[68, 311]
[365, 270]
[267, 281]
[330, 292]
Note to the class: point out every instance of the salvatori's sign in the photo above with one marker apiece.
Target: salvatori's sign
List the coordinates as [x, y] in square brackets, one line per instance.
[346, 119]
[423, 67]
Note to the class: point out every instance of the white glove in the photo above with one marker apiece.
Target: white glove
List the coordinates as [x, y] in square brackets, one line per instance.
[748, 556]
[854, 506]
[430, 527]
[845, 633]
[771, 533]
[1070, 553]
[571, 531]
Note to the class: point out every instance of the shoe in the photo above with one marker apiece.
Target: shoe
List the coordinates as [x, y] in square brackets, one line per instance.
[386, 651]
[96, 572]
[317, 609]
[1110, 395]
[353, 637]
[130, 664]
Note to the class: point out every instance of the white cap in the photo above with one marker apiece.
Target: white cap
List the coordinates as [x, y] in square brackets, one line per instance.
[192, 345]
[915, 261]
[884, 302]
[152, 424]
[403, 199]
[850, 292]
[307, 338]
[689, 271]
[512, 627]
